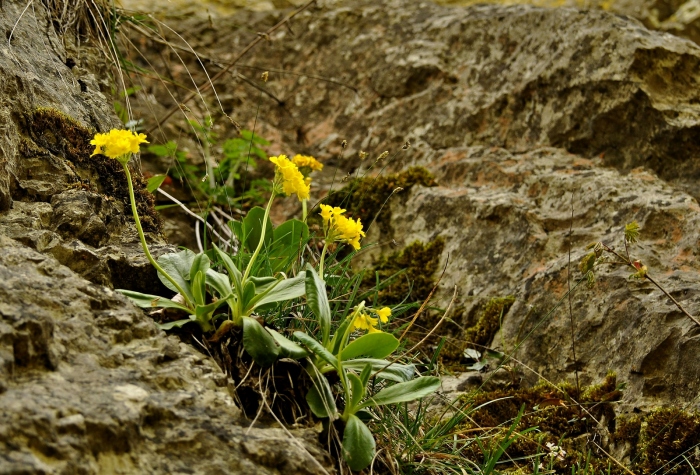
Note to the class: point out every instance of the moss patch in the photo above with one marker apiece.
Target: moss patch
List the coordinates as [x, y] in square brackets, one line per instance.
[654, 442]
[479, 334]
[418, 261]
[664, 435]
[364, 197]
[489, 321]
[61, 135]
[551, 409]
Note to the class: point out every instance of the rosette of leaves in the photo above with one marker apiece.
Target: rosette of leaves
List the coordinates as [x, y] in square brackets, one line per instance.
[205, 290]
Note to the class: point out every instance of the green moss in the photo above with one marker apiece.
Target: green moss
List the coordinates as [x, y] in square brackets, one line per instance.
[627, 429]
[657, 440]
[489, 321]
[364, 197]
[551, 409]
[52, 130]
[665, 434]
[477, 336]
[420, 262]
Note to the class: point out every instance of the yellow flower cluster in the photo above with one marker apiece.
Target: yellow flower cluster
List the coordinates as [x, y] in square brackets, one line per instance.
[288, 175]
[305, 161]
[369, 323]
[341, 228]
[119, 144]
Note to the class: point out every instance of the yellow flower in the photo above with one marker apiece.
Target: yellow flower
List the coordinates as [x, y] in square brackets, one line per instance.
[305, 161]
[326, 213]
[288, 175]
[119, 144]
[365, 322]
[341, 228]
[383, 314]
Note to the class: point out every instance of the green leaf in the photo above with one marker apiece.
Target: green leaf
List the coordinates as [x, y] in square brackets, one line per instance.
[219, 282]
[258, 342]
[252, 228]
[233, 273]
[382, 369]
[358, 444]
[154, 182]
[263, 284]
[162, 207]
[152, 301]
[171, 325]
[198, 289]
[286, 289]
[320, 396]
[316, 348]
[404, 392]
[203, 314]
[288, 349]
[248, 296]
[237, 229]
[317, 301]
[200, 263]
[371, 345]
[178, 266]
[365, 375]
[291, 233]
[288, 241]
[357, 390]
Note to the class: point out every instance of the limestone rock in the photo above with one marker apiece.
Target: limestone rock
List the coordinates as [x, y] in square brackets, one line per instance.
[54, 197]
[514, 108]
[88, 384]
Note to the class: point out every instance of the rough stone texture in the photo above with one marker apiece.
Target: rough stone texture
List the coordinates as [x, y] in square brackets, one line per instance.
[89, 385]
[514, 108]
[53, 196]
[506, 220]
[517, 77]
[678, 17]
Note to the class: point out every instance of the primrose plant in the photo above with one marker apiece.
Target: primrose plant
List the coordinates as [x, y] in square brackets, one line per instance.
[243, 290]
[356, 362]
[354, 347]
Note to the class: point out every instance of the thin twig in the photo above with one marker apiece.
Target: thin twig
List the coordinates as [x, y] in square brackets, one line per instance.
[444, 316]
[430, 295]
[210, 83]
[194, 215]
[224, 64]
[571, 312]
[617, 462]
[647, 276]
[263, 90]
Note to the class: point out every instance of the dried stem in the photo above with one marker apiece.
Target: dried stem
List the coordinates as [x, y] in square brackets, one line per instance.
[628, 262]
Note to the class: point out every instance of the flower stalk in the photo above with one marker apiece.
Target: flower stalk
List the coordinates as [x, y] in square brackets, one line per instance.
[121, 145]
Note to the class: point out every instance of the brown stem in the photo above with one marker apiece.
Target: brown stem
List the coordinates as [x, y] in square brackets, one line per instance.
[628, 262]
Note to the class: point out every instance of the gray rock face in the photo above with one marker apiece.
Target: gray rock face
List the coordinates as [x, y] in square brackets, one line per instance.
[515, 108]
[88, 384]
[516, 77]
[506, 219]
[54, 197]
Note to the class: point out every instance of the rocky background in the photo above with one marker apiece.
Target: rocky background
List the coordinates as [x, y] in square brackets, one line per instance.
[535, 122]
[546, 130]
[88, 384]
